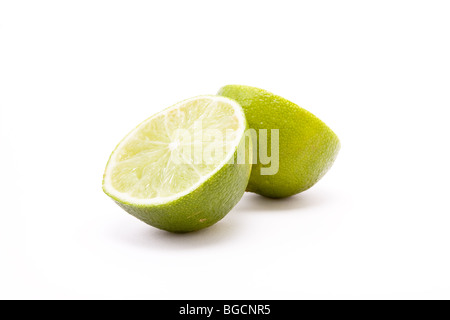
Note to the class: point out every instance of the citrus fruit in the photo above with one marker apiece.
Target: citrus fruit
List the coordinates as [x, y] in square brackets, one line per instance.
[180, 169]
[306, 147]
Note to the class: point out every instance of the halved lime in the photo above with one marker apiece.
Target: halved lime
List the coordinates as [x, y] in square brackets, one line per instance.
[305, 146]
[181, 170]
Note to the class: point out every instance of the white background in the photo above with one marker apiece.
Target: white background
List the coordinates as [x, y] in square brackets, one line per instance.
[76, 76]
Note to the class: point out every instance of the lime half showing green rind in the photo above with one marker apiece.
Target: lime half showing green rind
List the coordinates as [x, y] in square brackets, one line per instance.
[307, 146]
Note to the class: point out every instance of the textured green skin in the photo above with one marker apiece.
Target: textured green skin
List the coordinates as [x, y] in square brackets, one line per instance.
[308, 147]
[201, 208]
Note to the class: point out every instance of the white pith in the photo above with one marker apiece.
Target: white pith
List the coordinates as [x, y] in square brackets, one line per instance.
[127, 198]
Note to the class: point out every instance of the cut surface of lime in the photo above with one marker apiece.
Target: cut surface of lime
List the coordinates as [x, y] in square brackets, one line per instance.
[174, 153]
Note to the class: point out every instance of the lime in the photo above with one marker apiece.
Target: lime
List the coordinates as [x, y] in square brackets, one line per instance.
[181, 170]
[305, 148]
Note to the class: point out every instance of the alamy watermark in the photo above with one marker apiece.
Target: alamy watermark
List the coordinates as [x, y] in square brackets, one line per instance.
[207, 146]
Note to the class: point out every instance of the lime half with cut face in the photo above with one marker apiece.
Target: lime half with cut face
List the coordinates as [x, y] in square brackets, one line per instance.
[182, 169]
